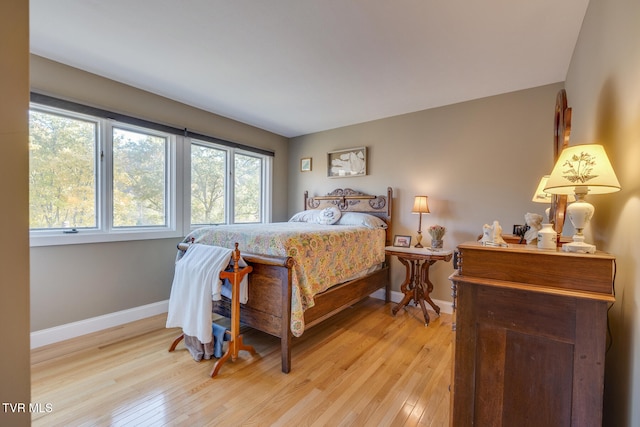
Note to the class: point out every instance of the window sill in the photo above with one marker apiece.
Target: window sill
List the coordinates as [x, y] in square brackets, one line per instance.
[89, 237]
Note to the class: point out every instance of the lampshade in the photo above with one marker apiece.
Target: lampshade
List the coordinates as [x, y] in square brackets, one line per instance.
[582, 166]
[420, 205]
[540, 196]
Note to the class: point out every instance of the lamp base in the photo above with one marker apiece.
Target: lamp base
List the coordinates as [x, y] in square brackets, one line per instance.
[580, 213]
[579, 247]
[418, 241]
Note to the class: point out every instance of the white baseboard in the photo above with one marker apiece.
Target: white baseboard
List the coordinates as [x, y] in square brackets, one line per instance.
[396, 296]
[95, 324]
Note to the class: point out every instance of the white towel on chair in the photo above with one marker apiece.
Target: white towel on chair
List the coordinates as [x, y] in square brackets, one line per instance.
[195, 283]
[227, 291]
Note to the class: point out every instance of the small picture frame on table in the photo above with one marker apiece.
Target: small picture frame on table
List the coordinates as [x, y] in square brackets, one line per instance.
[305, 164]
[402, 241]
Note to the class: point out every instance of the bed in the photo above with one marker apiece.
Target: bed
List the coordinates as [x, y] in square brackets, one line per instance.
[290, 292]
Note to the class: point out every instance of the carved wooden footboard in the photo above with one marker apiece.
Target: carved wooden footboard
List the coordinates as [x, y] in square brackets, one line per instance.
[269, 306]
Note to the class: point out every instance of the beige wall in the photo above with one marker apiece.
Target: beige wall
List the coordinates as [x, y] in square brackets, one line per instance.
[477, 161]
[15, 382]
[603, 88]
[76, 282]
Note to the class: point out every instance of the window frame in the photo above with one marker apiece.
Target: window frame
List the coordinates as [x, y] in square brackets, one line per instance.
[177, 185]
[265, 183]
[98, 166]
[169, 177]
[104, 230]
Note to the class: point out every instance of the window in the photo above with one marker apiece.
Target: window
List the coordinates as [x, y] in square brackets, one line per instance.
[63, 171]
[92, 177]
[247, 189]
[96, 179]
[208, 184]
[213, 199]
[139, 179]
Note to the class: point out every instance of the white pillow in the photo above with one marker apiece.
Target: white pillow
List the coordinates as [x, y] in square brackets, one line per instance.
[329, 216]
[306, 216]
[359, 218]
[326, 216]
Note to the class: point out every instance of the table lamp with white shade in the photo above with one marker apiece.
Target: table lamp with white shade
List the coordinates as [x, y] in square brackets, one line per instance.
[420, 207]
[541, 196]
[581, 170]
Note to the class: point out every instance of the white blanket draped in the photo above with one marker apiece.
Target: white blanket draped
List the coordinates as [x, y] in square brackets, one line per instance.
[195, 283]
[244, 284]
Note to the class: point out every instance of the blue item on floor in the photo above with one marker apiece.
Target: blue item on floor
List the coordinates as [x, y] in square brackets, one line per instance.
[219, 335]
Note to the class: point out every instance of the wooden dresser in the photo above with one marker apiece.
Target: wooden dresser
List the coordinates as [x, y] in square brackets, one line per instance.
[530, 336]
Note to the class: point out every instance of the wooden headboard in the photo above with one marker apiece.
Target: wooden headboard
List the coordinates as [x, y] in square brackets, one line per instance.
[348, 200]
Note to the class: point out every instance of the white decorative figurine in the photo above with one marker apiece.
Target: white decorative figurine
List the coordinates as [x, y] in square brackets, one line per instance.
[492, 235]
[534, 221]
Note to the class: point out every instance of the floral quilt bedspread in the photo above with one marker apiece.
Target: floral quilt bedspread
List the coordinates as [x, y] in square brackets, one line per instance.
[324, 255]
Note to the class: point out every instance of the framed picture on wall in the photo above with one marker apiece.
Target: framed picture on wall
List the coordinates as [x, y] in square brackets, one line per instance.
[347, 163]
[305, 164]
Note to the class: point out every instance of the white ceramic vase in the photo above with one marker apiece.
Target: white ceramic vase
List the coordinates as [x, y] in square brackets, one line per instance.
[547, 237]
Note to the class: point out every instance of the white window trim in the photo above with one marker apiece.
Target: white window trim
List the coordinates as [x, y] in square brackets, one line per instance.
[266, 179]
[104, 231]
[179, 177]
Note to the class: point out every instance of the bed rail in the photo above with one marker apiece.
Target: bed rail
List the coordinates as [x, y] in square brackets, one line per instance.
[278, 261]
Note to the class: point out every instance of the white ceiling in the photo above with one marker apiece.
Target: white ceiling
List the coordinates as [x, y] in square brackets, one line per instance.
[300, 66]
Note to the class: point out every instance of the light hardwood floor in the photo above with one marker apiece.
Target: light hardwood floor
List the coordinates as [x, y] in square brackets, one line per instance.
[363, 367]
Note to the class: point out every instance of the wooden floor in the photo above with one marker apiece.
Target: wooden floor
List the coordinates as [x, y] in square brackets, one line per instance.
[363, 367]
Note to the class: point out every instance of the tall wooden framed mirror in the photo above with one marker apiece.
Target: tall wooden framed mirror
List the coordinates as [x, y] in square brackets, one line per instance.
[562, 130]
